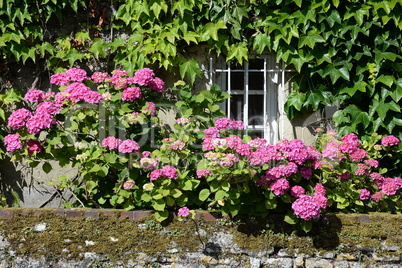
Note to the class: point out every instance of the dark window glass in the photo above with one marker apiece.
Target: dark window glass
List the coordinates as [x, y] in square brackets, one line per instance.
[236, 107]
[256, 109]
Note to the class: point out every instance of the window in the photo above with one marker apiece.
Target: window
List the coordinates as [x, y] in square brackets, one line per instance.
[257, 94]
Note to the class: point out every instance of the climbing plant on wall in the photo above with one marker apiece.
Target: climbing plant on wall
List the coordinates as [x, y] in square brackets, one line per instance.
[347, 53]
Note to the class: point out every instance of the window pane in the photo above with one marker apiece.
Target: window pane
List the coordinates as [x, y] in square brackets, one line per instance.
[256, 110]
[237, 81]
[256, 64]
[256, 79]
[236, 107]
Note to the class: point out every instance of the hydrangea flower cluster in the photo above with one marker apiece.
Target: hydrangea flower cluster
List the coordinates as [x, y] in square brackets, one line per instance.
[306, 207]
[12, 142]
[389, 141]
[75, 89]
[166, 172]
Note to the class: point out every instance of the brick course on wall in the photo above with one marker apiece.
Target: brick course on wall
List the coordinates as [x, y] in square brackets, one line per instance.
[207, 241]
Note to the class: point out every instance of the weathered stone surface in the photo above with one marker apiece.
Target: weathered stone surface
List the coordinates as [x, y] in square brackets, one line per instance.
[318, 263]
[278, 262]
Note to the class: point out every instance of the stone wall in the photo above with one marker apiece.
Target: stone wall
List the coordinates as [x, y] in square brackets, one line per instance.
[113, 238]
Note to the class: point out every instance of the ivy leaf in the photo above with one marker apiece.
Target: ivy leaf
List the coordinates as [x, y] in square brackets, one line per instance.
[190, 68]
[296, 100]
[261, 41]
[238, 51]
[335, 2]
[28, 53]
[98, 48]
[314, 99]
[339, 117]
[190, 37]
[298, 2]
[310, 39]
[387, 80]
[211, 30]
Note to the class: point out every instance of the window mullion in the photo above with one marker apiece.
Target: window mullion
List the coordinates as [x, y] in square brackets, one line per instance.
[245, 108]
[265, 114]
[229, 90]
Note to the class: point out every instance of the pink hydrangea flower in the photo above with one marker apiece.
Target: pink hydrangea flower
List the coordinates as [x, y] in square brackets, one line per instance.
[389, 141]
[48, 107]
[34, 146]
[378, 196]
[306, 207]
[131, 93]
[371, 162]
[350, 143]
[243, 149]
[321, 200]
[34, 95]
[18, 118]
[177, 145]
[306, 172]
[93, 97]
[39, 122]
[228, 160]
[296, 151]
[223, 123]
[280, 186]
[128, 185]
[203, 173]
[99, 77]
[119, 82]
[182, 121]
[211, 132]
[60, 79]
[297, 191]
[145, 153]
[184, 212]
[390, 186]
[144, 77]
[149, 108]
[157, 84]
[332, 150]
[129, 146]
[364, 194]
[119, 73]
[265, 155]
[167, 171]
[12, 142]
[234, 142]
[358, 155]
[378, 178]
[111, 143]
[362, 169]
[319, 189]
[257, 142]
[76, 74]
[237, 124]
[207, 144]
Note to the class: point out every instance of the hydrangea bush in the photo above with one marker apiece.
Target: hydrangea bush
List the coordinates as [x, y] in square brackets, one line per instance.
[107, 126]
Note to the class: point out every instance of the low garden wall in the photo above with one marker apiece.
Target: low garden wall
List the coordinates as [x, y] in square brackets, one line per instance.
[116, 238]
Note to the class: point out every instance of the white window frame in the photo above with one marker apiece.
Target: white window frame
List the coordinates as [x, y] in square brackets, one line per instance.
[274, 94]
